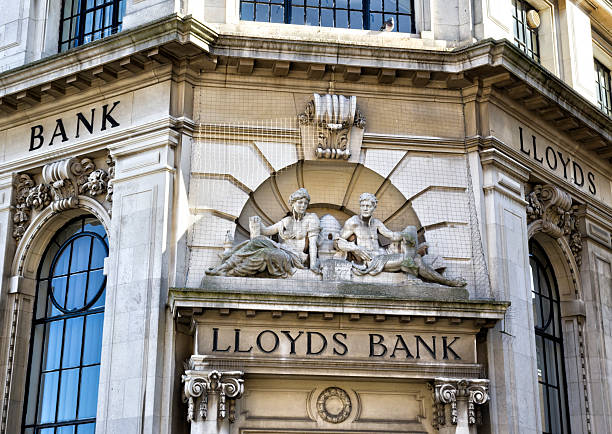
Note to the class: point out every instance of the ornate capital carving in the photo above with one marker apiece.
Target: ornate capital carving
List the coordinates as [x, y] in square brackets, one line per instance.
[551, 210]
[228, 385]
[447, 391]
[334, 115]
[63, 181]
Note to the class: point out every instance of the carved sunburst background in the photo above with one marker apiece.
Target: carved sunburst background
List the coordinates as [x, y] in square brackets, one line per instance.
[242, 170]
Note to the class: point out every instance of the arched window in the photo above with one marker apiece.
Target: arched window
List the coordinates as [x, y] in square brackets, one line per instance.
[64, 368]
[549, 343]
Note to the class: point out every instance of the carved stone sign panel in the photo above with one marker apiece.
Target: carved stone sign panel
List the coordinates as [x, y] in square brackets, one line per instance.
[336, 343]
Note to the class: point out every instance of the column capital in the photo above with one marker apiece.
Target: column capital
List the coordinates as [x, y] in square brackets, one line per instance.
[449, 390]
[228, 385]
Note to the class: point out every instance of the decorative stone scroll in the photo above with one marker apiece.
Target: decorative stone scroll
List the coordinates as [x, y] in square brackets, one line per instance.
[63, 182]
[448, 391]
[334, 115]
[550, 209]
[228, 385]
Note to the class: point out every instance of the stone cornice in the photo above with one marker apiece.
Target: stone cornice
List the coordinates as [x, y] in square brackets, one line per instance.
[176, 38]
[344, 301]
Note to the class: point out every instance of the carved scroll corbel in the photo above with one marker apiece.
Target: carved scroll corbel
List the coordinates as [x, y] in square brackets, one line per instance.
[63, 181]
[227, 385]
[550, 210]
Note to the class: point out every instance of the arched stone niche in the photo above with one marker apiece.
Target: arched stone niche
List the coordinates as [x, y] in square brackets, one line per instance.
[334, 189]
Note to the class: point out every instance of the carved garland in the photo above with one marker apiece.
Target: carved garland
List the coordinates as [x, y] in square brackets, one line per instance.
[551, 208]
[63, 182]
[229, 385]
[447, 391]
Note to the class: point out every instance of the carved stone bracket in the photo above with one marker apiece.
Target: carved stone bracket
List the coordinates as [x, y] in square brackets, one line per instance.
[551, 209]
[227, 385]
[447, 391]
[63, 181]
[334, 115]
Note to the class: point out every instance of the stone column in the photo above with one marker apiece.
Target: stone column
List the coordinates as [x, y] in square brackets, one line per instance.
[211, 399]
[455, 402]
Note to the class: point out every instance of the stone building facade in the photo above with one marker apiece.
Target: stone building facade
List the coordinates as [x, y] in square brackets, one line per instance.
[188, 246]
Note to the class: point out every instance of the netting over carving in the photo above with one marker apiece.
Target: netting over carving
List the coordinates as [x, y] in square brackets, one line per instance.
[250, 167]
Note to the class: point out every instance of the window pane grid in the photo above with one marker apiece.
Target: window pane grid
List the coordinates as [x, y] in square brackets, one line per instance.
[85, 21]
[524, 37]
[549, 344]
[63, 395]
[350, 14]
[602, 85]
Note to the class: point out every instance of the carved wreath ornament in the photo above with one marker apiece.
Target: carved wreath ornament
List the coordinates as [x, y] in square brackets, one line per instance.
[63, 182]
[334, 405]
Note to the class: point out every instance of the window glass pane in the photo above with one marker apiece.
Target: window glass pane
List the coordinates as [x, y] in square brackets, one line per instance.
[86, 428]
[93, 339]
[356, 20]
[58, 286]
[53, 345]
[390, 6]
[555, 414]
[48, 397]
[277, 14]
[65, 429]
[73, 337]
[77, 284]
[405, 6]
[312, 16]
[404, 24]
[375, 21]
[551, 363]
[80, 254]
[100, 300]
[88, 396]
[342, 19]
[546, 320]
[67, 399]
[246, 11]
[61, 265]
[327, 17]
[90, 4]
[46, 431]
[375, 5]
[41, 302]
[262, 12]
[96, 280]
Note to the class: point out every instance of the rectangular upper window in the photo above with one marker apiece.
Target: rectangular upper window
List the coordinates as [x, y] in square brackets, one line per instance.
[602, 88]
[525, 32]
[346, 14]
[84, 21]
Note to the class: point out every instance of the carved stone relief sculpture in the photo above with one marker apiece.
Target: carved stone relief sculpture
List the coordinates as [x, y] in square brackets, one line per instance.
[550, 210]
[334, 115]
[324, 246]
[260, 254]
[63, 182]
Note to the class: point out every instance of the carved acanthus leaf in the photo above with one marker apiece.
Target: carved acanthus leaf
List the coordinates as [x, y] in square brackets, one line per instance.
[228, 385]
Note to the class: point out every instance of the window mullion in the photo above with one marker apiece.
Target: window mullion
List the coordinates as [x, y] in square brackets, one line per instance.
[366, 14]
[82, 15]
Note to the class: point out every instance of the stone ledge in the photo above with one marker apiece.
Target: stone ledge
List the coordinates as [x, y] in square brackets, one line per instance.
[416, 299]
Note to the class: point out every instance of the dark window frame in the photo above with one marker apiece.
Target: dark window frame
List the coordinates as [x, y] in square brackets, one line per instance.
[549, 332]
[85, 21]
[356, 14]
[525, 38]
[49, 311]
[602, 86]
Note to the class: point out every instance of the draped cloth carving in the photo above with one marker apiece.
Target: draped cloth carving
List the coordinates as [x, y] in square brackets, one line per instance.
[198, 385]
